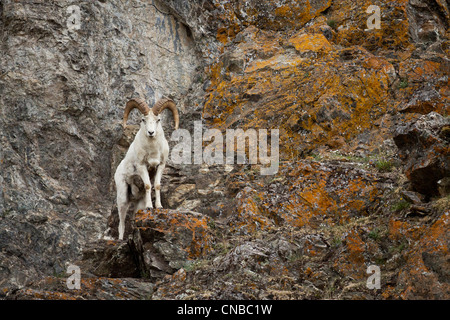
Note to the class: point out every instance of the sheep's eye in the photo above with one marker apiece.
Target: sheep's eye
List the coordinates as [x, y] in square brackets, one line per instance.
[159, 120]
[143, 120]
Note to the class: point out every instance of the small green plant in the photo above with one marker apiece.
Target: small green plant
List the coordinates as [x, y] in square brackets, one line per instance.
[222, 248]
[211, 224]
[145, 274]
[332, 23]
[374, 234]
[200, 79]
[336, 242]
[380, 261]
[400, 205]
[384, 165]
[403, 83]
[398, 249]
[5, 213]
[59, 274]
[316, 157]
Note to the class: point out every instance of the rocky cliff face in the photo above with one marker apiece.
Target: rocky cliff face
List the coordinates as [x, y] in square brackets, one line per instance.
[62, 95]
[364, 125]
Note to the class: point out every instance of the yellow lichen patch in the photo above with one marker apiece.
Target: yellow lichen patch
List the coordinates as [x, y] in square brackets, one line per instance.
[235, 16]
[310, 42]
[284, 11]
[277, 62]
[422, 70]
[224, 35]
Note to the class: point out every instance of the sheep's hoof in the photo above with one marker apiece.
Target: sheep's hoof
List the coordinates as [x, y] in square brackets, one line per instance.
[148, 208]
[158, 207]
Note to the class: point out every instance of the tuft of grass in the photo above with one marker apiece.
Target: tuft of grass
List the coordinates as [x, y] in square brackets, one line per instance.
[375, 234]
[403, 84]
[332, 23]
[295, 257]
[400, 205]
[380, 261]
[398, 249]
[336, 242]
[384, 165]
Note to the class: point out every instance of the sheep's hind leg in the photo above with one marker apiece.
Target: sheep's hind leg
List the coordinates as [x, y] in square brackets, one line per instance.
[122, 215]
[122, 206]
[158, 176]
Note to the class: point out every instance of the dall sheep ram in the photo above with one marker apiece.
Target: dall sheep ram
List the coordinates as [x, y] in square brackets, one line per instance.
[148, 152]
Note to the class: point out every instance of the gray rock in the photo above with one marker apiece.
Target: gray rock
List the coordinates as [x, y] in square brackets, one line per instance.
[424, 152]
[62, 94]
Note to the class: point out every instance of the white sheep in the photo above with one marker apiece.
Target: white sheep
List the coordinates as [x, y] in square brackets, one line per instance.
[148, 151]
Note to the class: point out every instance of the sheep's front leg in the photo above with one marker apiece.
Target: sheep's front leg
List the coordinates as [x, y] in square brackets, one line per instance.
[143, 172]
[158, 175]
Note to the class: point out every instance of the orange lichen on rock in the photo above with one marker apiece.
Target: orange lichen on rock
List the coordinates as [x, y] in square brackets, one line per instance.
[194, 226]
[268, 15]
[249, 216]
[310, 42]
[330, 193]
[311, 97]
[352, 260]
[351, 21]
[427, 262]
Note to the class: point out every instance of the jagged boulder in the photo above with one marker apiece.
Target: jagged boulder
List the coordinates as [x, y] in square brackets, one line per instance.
[424, 148]
[109, 258]
[166, 240]
[158, 242]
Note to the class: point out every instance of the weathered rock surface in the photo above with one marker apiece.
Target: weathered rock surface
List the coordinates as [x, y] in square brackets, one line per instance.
[97, 288]
[62, 94]
[424, 147]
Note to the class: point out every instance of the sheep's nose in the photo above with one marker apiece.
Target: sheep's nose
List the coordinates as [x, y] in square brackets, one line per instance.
[151, 133]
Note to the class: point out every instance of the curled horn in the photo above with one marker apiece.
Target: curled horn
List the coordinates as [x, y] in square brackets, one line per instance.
[167, 103]
[135, 103]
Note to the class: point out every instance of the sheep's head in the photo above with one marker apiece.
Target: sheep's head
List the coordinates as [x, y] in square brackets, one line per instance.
[151, 120]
